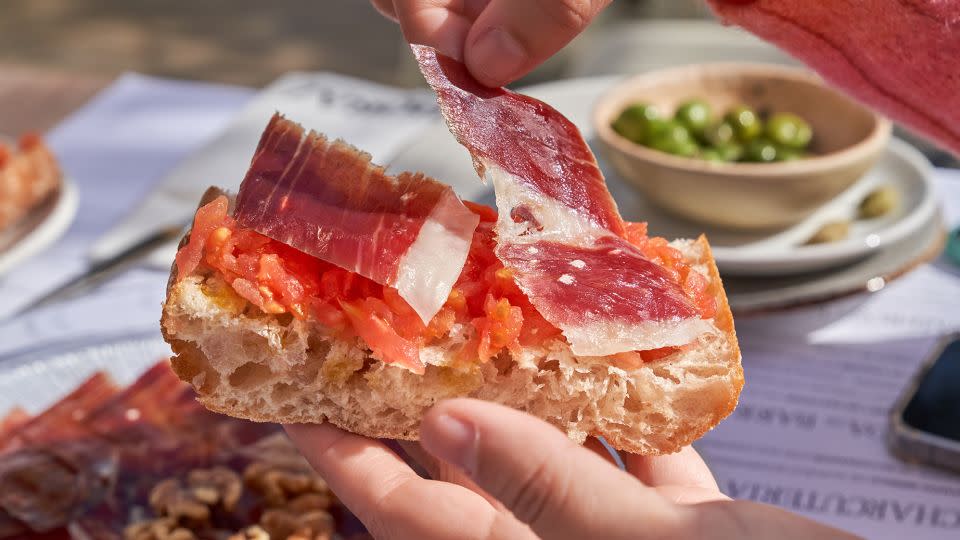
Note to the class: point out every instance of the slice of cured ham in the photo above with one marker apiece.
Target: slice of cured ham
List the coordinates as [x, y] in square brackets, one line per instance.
[328, 200]
[558, 229]
[14, 419]
[64, 419]
[900, 56]
[92, 471]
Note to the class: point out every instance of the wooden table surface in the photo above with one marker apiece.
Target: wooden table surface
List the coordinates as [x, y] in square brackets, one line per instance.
[34, 99]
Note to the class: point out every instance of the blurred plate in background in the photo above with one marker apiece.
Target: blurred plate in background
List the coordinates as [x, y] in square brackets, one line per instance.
[41, 227]
[756, 294]
[38, 378]
[785, 252]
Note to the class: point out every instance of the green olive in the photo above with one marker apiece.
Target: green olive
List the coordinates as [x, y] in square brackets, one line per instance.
[718, 134]
[731, 152]
[831, 232]
[675, 131]
[790, 154]
[675, 139]
[694, 115]
[656, 129]
[761, 151]
[635, 121]
[745, 122]
[790, 131]
[688, 149]
[712, 154]
[879, 203]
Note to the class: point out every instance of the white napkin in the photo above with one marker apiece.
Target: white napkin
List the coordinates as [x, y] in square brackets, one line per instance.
[374, 118]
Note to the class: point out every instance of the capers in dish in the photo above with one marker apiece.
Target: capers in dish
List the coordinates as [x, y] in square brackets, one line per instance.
[740, 134]
[879, 203]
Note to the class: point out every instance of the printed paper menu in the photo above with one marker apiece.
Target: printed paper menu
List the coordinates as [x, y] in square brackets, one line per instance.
[809, 432]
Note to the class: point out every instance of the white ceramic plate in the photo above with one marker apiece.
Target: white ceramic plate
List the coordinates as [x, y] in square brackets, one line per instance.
[38, 378]
[758, 294]
[436, 153]
[40, 228]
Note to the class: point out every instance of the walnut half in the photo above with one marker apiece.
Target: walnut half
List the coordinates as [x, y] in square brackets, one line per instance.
[293, 525]
[298, 501]
[280, 485]
[164, 528]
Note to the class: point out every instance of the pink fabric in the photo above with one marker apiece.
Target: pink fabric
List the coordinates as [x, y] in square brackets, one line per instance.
[901, 57]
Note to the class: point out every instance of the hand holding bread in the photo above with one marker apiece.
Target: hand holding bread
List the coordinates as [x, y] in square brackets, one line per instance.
[501, 474]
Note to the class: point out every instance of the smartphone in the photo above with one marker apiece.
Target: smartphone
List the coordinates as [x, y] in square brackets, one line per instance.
[925, 422]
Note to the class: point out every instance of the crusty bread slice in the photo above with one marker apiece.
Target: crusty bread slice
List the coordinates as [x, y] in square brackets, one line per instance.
[271, 368]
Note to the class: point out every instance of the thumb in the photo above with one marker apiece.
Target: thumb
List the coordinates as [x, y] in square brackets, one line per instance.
[511, 37]
[560, 489]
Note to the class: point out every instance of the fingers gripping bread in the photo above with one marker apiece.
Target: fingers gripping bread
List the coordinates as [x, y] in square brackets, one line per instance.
[274, 368]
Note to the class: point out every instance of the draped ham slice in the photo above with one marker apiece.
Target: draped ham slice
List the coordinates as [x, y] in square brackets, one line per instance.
[328, 200]
[900, 56]
[558, 229]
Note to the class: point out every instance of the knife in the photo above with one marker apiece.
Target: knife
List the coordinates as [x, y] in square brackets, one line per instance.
[104, 270]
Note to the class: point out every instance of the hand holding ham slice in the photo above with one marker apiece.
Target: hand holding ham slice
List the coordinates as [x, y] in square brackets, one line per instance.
[558, 229]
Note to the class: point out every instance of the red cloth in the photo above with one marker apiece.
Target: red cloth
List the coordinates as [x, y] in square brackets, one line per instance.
[902, 57]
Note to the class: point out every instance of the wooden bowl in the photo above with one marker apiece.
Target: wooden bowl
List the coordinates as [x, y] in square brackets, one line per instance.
[848, 139]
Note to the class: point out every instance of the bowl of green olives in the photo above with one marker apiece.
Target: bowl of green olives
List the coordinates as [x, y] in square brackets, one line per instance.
[746, 146]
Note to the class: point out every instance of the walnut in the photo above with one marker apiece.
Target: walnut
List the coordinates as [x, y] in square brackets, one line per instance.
[165, 528]
[292, 525]
[279, 485]
[296, 499]
[311, 501]
[170, 499]
[216, 485]
[253, 532]
[194, 499]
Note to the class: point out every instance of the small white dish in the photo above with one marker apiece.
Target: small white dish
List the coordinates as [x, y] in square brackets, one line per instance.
[436, 153]
[786, 252]
[37, 378]
[40, 228]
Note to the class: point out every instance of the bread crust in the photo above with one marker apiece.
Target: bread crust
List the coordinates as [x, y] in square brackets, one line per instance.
[264, 368]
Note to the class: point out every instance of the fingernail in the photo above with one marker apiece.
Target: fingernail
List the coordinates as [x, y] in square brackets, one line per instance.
[453, 441]
[497, 56]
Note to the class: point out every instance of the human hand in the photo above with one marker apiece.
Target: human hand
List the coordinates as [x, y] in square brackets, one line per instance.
[498, 40]
[500, 473]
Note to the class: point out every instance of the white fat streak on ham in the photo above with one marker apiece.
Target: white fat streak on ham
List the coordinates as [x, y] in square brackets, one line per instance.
[594, 333]
[423, 277]
[600, 338]
[328, 200]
